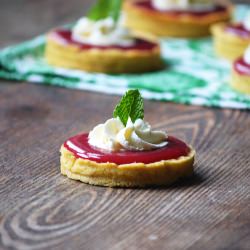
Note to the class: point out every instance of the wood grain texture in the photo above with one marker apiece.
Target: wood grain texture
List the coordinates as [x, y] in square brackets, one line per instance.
[40, 209]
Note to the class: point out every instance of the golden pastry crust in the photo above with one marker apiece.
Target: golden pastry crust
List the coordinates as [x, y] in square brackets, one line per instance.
[240, 82]
[160, 173]
[112, 61]
[163, 24]
[226, 44]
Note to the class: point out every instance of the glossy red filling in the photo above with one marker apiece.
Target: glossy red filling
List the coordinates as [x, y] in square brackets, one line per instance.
[80, 147]
[241, 67]
[65, 36]
[238, 29]
[147, 4]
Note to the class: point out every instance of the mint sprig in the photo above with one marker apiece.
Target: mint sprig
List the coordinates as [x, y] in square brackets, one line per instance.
[131, 105]
[105, 8]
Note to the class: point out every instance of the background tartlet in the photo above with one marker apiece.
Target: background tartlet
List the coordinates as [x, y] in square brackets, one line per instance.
[173, 24]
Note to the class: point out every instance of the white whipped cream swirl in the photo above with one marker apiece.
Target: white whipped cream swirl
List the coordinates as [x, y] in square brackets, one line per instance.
[246, 55]
[104, 32]
[246, 21]
[197, 5]
[137, 136]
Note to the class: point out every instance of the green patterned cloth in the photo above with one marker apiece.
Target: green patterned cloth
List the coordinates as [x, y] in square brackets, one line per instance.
[193, 74]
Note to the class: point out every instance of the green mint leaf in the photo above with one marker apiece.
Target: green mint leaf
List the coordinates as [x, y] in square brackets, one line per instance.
[131, 105]
[105, 8]
[115, 9]
[99, 10]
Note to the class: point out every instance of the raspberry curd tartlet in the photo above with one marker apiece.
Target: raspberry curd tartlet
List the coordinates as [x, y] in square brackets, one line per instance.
[240, 80]
[176, 18]
[126, 152]
[99, 43]
[231, 39]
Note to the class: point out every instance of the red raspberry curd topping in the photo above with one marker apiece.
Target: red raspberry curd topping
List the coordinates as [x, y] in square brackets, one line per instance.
[241, 67]
[80, 147]
[65, 36]
[147, 4]
[238, 29]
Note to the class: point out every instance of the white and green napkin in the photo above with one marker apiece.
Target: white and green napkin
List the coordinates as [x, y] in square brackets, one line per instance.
[193, 74]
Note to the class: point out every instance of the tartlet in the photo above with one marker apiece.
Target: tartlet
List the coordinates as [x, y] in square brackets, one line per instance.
[125, 151]
[230, 40]
[63, 51]
[144, 18]
[240, 79]
[116, 173]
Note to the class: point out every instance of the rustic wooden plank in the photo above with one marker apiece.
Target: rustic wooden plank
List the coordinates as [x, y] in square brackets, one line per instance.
[40, 209]
[23, 19]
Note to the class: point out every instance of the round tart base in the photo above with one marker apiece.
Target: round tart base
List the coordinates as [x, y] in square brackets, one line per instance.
[113, 61]
[169, 25]
[226, 44]
[159, 173]
[240, 82]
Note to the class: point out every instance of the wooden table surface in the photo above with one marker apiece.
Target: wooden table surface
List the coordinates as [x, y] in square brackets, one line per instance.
[41, 209]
